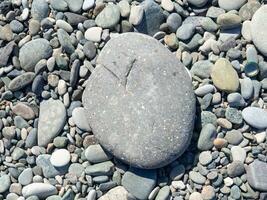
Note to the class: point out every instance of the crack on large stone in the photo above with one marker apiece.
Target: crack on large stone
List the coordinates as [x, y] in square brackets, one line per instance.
[129, 70]
[111, 72]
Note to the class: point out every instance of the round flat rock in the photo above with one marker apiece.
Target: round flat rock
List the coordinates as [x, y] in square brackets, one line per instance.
[139, 101]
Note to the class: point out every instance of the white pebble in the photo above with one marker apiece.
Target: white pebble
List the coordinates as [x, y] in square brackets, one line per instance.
[87, 4]
[167, 5]
[93, 34]
[60, 158]
[136, 15]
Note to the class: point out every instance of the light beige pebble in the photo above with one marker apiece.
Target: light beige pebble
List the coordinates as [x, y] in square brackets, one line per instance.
[136, 15]
[64, 25]
[93, 34]
[167, 5]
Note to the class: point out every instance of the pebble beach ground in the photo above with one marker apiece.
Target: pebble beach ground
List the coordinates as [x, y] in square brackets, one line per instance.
[48, 50]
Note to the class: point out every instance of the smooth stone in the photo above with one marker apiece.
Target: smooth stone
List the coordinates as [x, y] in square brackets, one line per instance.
[224, 77]
[5, 53]
[48, 170]
[25, 178]
[214, 12]
[235, 192]
[235, 100]
[127, 142]
[39, 9]
[202, 69]
[251, 69]
[246, 30]
[198, 3]
[59, 5]
[258, 27]
[235, 169]
[234, 137]
[93, 34]
[88, 4]
[208, 193]
[108, 17]
[21, 81]
[32, 52]
[229, 20]
[89, 50]
[41, 190]
[260, 137]
[231, 5]
[64, 25]
[52, 118]
[153, 15]
[205, 89]
[31, 139]
[174, 21]
[207, 135]
[65, 41]
[247, 11]
[60, 158]
[125, 8]
[238, 154]
[164, 193]
[4, 183]
[185, 32]
[6, 33]
[75, 6]
[195, 196]
[23, 110]
[205, 158]
[96, 154]
[16, 26]
[256, 117]
[100, 169]
[117, 193]
[246, 88]
[196, 177]
[76, 168]
[134, 177]
[74, 19]
[167, 5]
[256, 175]
[18, 153]
[78, 116]
[136, 15]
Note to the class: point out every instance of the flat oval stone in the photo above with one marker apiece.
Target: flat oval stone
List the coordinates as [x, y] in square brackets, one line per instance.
[21, 81]
[41, 190]
[258, 29]
[60, 158]
[256, 117]
[143, 113]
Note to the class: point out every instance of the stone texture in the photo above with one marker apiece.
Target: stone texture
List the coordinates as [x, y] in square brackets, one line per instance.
[52, 118]
[143, 96]
[257, 176]
[117, 193]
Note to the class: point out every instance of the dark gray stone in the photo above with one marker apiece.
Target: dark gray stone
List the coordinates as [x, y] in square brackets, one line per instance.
[152, 19]
[257, 176]
[235, 169]
[21, 81]
[32, 52]
[134, 178]
[65, 41]
[89, 50]
[74, 19]
[150, 99]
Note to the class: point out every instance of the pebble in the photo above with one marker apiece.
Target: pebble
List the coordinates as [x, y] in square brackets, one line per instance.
[231, 5]
[25, 178]
[117, 193]
[32, 52]
[167, 5]
[60, 158]
[246, 30]
[99, 169]
[236, 100]
[207, 135]
[24, 111]
[208, 192]
[88, 4]
[75, 6]
[95, 105]
[198, 3]
[205, 89]
[78, 118]
[39, 9]
[153, 15]
[108, 17]
[59, 5]
[246, 88]
[235, 192]
[41, 190]
[234, 115]
[64, 25]
[224, 76]
[65, 41]
[96, 154]
[52, 118]
[4, 183]
[136, 15]
[258, 25]
[91, 195]
[238, 154]
[93, 34]
[21, 81]
[205, 158]
[195, 195]
[202, 69]
[5, 53]
[163, 193]
[247, 11]
[234, 137]
[256, 175]
[185, 32]
[6, 33]
[134, 177]
[174, 21]
[256, 117]
[236, 168]
[89, 50]
[196, 177]
[177, 172]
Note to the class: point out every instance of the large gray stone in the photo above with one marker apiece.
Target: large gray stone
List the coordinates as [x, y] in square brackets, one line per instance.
[40, 9]
[143, 113]
[32, 52]
[258, 29]
[52, 118]
[257, 176]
